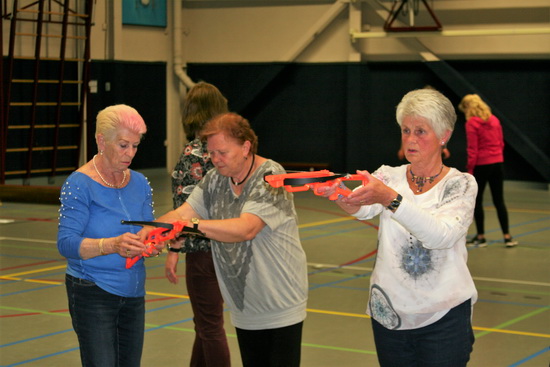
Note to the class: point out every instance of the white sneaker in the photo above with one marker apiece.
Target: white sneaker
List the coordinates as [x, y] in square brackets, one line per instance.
[509, 242]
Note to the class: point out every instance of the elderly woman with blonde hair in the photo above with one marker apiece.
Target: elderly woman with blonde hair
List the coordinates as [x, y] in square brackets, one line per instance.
[107, 300]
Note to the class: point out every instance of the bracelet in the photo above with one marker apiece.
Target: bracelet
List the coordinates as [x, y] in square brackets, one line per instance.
[171, 249]
[101, 252]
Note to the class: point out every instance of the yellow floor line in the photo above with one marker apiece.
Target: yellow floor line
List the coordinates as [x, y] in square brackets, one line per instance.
[311, 310]
[511, 332]
[314, 224]
[36, 271]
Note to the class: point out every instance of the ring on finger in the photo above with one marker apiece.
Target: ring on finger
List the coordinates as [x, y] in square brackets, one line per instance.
[127, 253]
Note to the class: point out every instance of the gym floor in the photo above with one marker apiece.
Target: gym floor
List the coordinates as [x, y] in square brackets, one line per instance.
[511, 318]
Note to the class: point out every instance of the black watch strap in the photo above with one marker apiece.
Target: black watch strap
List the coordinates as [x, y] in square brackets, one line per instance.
[395, 203]
[195, 222]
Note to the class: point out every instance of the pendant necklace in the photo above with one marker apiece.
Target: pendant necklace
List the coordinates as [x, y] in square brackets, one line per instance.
[104, 181]
[420, 181]
[248, 174]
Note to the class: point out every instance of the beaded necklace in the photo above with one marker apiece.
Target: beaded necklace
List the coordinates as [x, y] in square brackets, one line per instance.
[104, 181]
[420, 181]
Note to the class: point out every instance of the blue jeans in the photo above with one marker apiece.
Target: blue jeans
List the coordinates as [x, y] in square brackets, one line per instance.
[109, 328]
[446, 343]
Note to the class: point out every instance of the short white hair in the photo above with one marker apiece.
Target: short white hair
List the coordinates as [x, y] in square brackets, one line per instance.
[431, 105]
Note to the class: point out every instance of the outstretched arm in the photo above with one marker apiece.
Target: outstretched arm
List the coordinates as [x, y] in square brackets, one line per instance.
[373, 191]
[243, 228]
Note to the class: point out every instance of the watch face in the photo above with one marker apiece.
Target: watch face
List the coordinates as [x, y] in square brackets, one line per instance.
[395, 203]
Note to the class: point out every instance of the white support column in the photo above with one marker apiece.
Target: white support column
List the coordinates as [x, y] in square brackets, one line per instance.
[113, 30]
[355, 23]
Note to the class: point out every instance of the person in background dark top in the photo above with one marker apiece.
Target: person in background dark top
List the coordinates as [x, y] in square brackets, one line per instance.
[485, 148]
[210, 348]
[106, 300]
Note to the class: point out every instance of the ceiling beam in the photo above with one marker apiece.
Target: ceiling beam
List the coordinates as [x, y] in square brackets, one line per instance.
[453, 33]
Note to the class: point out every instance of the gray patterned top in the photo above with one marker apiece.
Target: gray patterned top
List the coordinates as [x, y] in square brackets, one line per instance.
[264, 280]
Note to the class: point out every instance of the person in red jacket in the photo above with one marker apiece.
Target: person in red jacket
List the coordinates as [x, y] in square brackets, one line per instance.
[485, 147]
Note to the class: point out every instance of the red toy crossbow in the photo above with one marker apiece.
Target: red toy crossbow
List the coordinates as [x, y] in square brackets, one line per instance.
[303, 181]
[164, 232]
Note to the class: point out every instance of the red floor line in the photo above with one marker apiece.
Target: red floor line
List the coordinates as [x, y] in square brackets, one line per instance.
[366, 256]
[370, 224]
[29, 264]
[33, 313]
[32, 219]
[160, 299]
[20, 314]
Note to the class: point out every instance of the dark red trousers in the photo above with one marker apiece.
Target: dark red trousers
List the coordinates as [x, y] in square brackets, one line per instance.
[210, 347]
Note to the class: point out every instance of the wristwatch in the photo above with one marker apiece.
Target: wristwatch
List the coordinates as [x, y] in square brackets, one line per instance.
[195, 222]
[395, 203]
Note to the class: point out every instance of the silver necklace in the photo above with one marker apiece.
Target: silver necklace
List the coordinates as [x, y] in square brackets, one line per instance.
[420, 181]
[104, 181]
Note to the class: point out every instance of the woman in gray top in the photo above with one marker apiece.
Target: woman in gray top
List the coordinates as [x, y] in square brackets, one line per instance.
[259, 260]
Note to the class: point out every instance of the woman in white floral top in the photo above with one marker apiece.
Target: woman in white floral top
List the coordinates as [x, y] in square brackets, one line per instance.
[421, 291]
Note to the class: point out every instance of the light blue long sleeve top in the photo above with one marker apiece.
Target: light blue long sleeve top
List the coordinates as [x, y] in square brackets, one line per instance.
[91, 210]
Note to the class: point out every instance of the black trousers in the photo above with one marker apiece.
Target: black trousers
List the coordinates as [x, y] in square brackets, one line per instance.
[494, 175]
[279, 347]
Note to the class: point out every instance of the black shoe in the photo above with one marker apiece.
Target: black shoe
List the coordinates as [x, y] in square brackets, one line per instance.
[477, 242]
[509, 242]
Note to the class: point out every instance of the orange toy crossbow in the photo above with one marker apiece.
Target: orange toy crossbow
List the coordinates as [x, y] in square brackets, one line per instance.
[164, 232]
[303, 181]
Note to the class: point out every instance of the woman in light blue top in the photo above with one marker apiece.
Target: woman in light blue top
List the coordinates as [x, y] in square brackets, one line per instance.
[106, 300]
